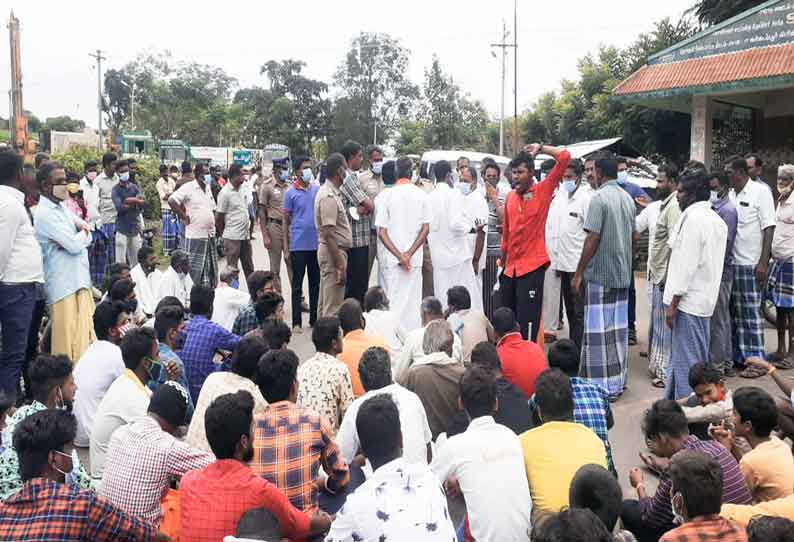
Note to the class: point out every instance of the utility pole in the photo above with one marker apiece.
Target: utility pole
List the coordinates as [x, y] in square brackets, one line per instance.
[504, 46]
[515, 75]
[99, 58]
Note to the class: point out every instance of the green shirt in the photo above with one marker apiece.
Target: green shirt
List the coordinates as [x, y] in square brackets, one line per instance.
[611, 215]
[669, 214]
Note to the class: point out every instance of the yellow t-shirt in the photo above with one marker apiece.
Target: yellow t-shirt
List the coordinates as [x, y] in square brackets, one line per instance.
[769, 470]
[553, 453]
[743, 513]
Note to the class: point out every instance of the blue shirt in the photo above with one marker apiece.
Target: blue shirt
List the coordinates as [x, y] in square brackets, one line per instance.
[634, 190]
[728, 213]
[299, 203]
[202, 339]
[167, 356]
[127, 218]
[63, 250]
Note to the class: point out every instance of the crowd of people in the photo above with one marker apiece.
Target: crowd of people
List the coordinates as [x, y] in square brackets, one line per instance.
[430, 409]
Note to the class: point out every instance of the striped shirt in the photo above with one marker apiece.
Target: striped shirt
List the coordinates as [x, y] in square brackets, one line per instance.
[494, 242]
[657, 511]
[611, 215]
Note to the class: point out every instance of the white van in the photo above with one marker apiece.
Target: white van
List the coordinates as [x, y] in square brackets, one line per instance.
[430, 158]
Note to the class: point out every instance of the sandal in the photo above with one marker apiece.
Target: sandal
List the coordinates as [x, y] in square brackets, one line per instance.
[752, 372]
[773, 357]
[783, 364]
[658, 383]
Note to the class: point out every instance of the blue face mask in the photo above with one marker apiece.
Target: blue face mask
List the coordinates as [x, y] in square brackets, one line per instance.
[465, 188]
[623, 176]
[283, 175]
[569, 185]
[377, 167]
[207, 178]
[124, 177]
[307, 175]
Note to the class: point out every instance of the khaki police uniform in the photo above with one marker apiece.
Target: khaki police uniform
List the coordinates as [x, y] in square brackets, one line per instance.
[329, 210]
[271, 202]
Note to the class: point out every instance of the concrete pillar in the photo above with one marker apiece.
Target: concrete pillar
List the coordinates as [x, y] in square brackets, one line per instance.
[702, 125]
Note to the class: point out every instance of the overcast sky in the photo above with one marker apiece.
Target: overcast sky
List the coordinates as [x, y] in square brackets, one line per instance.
[60, 78]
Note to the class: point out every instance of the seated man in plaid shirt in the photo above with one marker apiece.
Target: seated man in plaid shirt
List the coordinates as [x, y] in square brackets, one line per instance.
[259, 283]
[292, 442]
[47, 508]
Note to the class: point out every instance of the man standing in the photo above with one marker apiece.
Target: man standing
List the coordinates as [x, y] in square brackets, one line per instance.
[166, 185]
[20, 271]
[300, 239]
[335, 237]
[751, 253]
[606, 266]
[271, 218]
[496, 188]
[447, 235]
[359, 207]
[64, 239]
[129, 201]
[720, 350]
[693, 280]
[755, 168]
[782, 273]
[194, 206]
[660, 333]
[105, 183]
[372, 182]
[97, 252]
[403, 221]
[233, 223]
[524, 257]
[574, 197]
[475, 206]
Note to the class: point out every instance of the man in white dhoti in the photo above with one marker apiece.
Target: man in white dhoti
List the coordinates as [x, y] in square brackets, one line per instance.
[476, 208]
[452, 258]
[403, 220]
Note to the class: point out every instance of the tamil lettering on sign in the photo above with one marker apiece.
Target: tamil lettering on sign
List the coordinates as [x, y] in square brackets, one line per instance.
[770, 25]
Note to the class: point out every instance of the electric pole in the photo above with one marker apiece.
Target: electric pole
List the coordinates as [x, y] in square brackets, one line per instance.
[515, 75]
[504, 46]
[99, 58]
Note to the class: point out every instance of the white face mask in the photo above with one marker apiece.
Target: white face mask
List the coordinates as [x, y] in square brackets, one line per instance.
[307, 175]
[678, 519]
[124, 177]
[568, 185]
[715, 196]
[60, 192]
[623, 176]
[70, 477]
[377, 167]
[91, 175]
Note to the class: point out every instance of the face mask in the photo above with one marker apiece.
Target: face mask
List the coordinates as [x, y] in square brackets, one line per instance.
[60, 192]
[91, 175]
[235, 284]
[70, 477]
[569, 185]
[307, 175]
[207, 178]
[377, 167]
[60, 404]
[174, 176]
[714, 197]
[124, 177]
[623, 176]
[784, 188]
[283, 175]
[465, 188]
[678, 519]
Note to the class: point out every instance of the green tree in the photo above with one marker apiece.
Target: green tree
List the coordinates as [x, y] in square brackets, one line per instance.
[63, 123]
[346, 122]
[374, 77]
[411, 137]
[711, 12]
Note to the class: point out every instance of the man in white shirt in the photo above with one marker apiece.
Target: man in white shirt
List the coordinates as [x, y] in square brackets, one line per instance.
[448, 234]
[147, 281]
[176, 281]
[375, 371]
[99, 366]
[401, 500]
[782, 274]
[228, 300]
[21, 268]
[475, 206]
[381, 322]
[413, 348]
[233, 221]
[128, 396]
[194, 205]
[751, 253]
[693, 280]
[487, 463]
[97, 252]
[105, 182]
[403, 221]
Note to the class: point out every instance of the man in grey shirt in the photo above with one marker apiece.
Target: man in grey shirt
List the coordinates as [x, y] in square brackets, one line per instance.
[605, 270]
[233, 224]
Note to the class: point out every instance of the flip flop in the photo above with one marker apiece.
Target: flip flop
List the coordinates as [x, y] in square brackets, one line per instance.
[783, 364]
[773, 357]
[752, 372]
[658, 383]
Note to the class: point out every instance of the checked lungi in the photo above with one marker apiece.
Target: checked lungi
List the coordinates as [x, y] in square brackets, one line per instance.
[660, 336]
[781, 283]
[98, 257]
[605, 344]
[748, 331]
[690, 335]
[203, 261]
[170, 231]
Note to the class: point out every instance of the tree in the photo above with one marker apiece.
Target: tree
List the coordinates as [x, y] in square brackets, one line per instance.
[116, 101]
[711, 12]
[411, 137]
[64, 123]
[34, 124]
[374, 76]
[311, 111]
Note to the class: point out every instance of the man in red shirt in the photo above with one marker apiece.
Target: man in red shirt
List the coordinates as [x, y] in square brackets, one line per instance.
[215, 498]
[522, 361]
[524, 257]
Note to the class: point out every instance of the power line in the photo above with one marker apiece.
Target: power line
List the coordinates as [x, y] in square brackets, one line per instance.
[503, 46]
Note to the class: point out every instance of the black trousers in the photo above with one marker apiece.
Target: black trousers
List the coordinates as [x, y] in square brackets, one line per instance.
[303, 262]
[574, 308]
[631, 515]
[524, 295]
[357, 276]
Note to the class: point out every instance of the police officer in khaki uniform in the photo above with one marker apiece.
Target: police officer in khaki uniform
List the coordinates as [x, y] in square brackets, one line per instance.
[334, 237]
[372, 183]
[271, 218]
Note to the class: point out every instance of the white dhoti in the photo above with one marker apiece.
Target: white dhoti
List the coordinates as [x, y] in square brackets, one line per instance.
[459, 275]
[551, 301]
[405, 294]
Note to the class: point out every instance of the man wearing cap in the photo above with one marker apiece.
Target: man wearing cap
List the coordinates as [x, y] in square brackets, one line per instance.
[271, 217]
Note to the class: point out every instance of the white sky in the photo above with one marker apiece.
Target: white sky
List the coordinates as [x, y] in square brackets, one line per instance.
[59, 77]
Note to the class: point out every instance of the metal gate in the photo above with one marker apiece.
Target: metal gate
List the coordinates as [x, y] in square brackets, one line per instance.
[732, 132]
